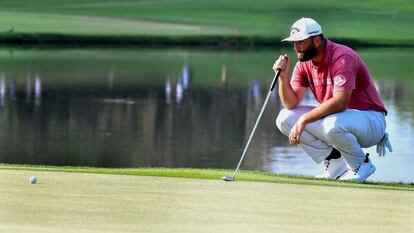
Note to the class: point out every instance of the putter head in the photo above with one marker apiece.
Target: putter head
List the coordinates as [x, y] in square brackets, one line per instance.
[228, 178]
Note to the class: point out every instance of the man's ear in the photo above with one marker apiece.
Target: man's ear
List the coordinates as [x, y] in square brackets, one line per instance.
[317, 41]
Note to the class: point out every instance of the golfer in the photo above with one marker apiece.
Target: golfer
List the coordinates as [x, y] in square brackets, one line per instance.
[350, 115]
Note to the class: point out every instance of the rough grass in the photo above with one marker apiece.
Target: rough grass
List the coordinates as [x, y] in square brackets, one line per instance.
[78, 202]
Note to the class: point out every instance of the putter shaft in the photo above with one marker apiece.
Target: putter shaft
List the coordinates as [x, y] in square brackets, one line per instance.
[255, 125]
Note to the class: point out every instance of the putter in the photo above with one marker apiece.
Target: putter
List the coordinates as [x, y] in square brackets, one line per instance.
[272, 86]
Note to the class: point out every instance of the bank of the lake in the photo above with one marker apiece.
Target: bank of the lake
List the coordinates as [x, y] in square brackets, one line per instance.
[220, 41]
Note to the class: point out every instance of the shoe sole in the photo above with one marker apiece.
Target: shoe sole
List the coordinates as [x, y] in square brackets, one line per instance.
[372, 171]
[332, 178]
[340, 172]
[343, 173]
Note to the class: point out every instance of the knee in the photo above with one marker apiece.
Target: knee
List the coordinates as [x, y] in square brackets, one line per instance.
[288, 117]
[283, 120]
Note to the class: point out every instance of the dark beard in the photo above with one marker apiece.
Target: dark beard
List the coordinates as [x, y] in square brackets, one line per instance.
[308, 54]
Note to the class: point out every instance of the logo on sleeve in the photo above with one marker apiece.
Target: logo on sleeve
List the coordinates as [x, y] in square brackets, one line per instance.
[339, 80]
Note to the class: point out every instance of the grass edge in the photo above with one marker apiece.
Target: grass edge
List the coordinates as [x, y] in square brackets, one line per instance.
[213, 174]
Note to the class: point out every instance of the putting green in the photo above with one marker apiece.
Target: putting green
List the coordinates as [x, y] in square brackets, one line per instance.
[80, 202]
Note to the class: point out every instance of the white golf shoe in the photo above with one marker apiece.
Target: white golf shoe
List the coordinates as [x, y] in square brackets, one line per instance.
[363, 171]
[334, 168]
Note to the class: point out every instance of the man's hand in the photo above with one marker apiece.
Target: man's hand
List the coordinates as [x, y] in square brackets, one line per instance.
[297, 130]
[282, 63]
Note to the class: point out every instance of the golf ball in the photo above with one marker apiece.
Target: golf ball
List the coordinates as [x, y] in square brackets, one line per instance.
[33, 180]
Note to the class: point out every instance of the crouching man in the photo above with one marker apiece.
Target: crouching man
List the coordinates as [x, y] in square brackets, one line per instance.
[351, 114]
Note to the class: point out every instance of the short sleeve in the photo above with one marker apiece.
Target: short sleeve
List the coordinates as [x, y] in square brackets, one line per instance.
[344, 70]
[298, 78]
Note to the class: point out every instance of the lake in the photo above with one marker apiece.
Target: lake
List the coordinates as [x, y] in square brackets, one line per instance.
[172, 107]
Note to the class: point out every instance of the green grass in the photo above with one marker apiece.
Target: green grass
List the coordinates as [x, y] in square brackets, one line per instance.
[87, 25]
[70, 200]
[366, 21]
[214, 174]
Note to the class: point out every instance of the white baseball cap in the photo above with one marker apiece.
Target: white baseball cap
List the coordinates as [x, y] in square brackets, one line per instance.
[303, 29]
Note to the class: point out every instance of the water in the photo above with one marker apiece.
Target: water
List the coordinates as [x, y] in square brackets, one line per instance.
[172, 108]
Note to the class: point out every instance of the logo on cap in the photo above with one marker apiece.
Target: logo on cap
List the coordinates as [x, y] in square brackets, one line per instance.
[294, 30]
[313, 32]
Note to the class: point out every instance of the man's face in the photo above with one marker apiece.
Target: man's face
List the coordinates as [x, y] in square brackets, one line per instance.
[305, 49]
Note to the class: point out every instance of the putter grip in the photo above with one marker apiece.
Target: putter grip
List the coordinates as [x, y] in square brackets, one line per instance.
[275, 79]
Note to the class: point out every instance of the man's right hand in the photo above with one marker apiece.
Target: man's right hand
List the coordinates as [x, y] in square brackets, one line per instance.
[289, 96]
[283, 64]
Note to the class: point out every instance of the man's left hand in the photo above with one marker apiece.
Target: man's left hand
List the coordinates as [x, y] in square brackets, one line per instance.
[296, 132]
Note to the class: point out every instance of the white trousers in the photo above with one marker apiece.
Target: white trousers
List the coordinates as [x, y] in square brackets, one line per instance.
[348, 131]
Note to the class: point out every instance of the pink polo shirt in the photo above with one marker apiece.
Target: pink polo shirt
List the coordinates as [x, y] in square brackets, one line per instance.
[341, 69]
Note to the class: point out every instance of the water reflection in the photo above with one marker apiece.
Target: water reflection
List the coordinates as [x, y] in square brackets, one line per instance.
[8, 89]
[176, 86]
[2, 90]
[111, 78]
[197, 112]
